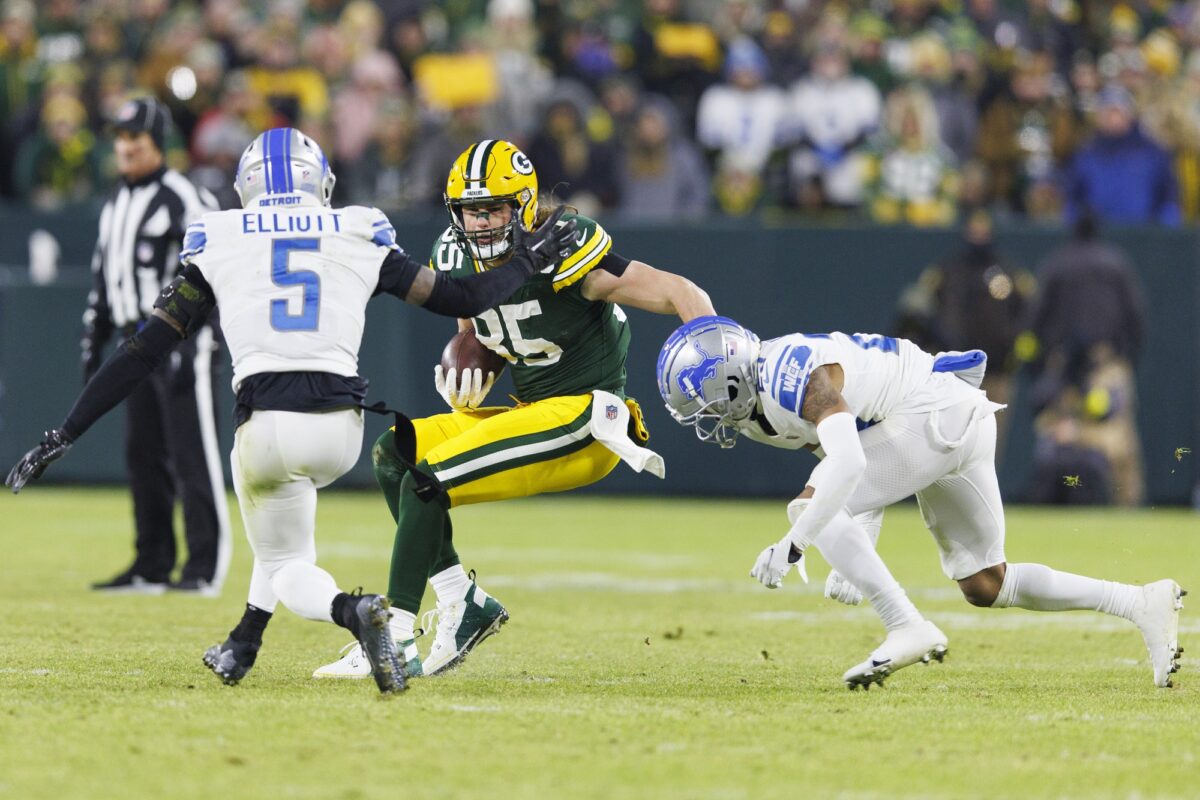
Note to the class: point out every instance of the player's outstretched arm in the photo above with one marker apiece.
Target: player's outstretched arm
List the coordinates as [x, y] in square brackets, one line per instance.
[642, 286]
[181, 308]
[837, 476]
[408, 279]
[832, 483]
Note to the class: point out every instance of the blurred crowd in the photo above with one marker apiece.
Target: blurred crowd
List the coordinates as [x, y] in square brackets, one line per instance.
[917, 111]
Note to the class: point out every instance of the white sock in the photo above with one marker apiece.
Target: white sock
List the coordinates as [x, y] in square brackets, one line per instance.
[402, 624]
[1040, 588]
[305, 589]
[451, 584]
[847, 548]
[261, 594]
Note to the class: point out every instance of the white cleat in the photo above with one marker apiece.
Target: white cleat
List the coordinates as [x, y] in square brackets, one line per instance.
[904, 646]
[1156, 613]
[353, 662]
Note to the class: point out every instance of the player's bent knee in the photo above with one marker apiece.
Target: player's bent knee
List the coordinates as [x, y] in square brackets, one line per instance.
[982, 588]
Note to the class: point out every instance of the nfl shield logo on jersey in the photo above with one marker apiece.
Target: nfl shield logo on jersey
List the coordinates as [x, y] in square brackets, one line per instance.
[610, 411]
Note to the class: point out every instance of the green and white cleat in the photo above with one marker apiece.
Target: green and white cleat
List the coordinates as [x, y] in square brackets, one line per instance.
[903, 647]
[461, 625]
[1156, 613]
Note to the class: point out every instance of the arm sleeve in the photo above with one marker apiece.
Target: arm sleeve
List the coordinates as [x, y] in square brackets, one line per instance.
[398, 272]
[834, 480]
[136, 358]
[613, 263]
[450, 296]
[474, 294]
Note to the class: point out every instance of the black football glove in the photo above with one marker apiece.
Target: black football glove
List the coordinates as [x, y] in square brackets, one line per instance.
[34, 463]
[544, 247]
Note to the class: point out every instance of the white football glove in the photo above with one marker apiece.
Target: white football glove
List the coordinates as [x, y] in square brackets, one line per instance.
[775, 562]
[465, 392]
[842, 590]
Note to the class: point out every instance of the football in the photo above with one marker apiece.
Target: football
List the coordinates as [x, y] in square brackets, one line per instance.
[464, 351]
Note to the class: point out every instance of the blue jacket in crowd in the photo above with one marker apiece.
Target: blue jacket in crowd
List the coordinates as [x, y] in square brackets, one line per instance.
[1125, 180]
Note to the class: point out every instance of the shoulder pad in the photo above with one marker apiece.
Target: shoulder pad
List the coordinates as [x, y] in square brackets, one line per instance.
[590, 245]
[194, 240]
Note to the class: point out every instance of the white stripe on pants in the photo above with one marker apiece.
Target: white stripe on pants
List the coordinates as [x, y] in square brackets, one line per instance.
[280, 459]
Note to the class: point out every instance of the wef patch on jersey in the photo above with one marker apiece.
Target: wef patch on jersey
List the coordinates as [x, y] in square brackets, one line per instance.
[791, 377]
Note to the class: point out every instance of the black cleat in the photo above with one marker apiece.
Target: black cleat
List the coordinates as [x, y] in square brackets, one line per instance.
[232, 660]
[375, 636]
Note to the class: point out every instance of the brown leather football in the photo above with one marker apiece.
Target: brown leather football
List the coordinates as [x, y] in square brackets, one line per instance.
[464, 351]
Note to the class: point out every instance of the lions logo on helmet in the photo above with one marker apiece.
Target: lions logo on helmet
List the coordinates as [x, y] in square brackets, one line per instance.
[707, 372]
[486, 173]
[283, 161]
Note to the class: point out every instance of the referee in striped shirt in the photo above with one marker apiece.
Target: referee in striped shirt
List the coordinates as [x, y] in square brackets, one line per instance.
[170, 437]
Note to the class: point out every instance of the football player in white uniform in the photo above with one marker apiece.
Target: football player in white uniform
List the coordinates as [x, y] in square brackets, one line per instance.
[291, 277]
[888, 421]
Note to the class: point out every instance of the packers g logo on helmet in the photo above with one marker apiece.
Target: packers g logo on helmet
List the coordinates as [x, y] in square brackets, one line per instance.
[486, 173]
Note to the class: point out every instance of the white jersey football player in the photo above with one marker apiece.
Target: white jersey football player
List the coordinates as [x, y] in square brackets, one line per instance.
[291, 277]
[888, 420]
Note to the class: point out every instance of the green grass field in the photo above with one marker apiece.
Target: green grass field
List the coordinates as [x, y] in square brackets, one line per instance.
[641, 661]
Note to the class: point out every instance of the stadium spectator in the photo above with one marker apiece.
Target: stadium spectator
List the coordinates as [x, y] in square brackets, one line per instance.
[60, 163]
[781, 45]
[525, 82]
[913, 174]
[374, 77]
[1026, 134]
[675, 57]
[868, 55]
[571, 163]
[954, 78]
[621, 99]
[383, 174]
[738, 121]
[1085, 332]
[1121, 174]
[830, 115]
[662, 174]
[220, 137]
[1173, 118]
[293, 91]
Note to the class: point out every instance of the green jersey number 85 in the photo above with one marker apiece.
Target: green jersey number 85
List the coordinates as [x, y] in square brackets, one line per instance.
[502, 333]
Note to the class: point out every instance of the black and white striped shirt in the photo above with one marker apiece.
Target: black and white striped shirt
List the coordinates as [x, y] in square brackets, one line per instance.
[137, 252]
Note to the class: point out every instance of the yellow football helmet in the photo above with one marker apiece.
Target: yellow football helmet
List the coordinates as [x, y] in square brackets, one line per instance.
[488, 172]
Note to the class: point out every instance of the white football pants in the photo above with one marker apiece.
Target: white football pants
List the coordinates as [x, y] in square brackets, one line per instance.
[947, 459]
[280, 459]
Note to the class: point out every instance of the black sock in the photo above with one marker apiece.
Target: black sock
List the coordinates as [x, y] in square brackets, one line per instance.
[342, 611]
[253, 623]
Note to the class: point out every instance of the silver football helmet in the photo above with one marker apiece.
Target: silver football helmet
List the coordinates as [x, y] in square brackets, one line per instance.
[707, 372]
[283, 161]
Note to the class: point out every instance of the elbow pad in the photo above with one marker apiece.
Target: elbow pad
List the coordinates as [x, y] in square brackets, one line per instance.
[185, 303]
